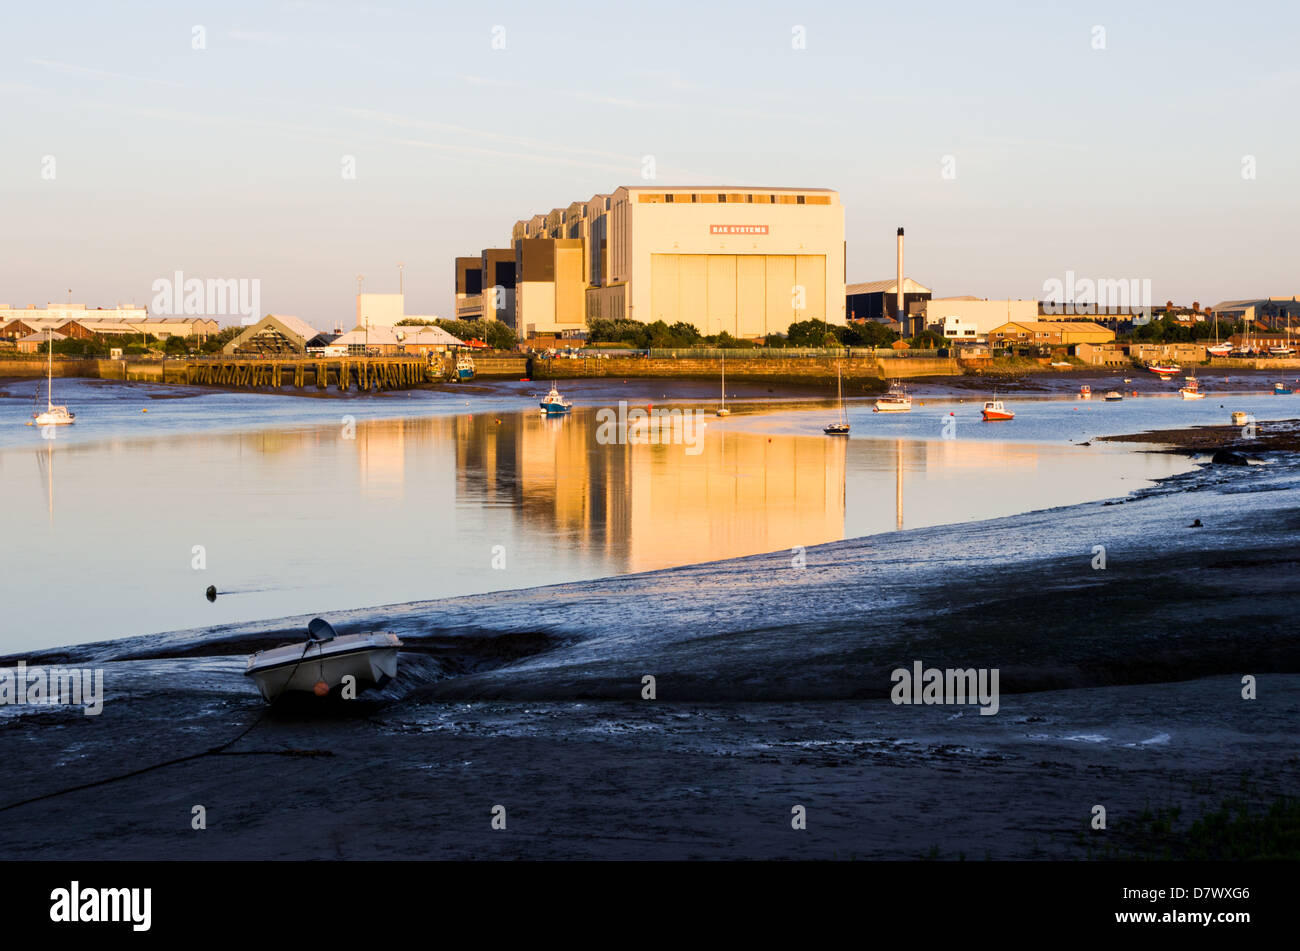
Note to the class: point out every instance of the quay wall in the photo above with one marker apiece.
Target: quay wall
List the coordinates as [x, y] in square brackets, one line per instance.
[792, 369]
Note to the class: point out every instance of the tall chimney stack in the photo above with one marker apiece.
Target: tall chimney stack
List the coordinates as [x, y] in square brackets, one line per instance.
[901, 317]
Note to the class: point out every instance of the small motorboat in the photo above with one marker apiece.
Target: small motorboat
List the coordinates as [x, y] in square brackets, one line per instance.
[1192, 390]
[1163, 370]
[1283, 389]
[320, 664]
[1085, 392]
[1240, 419]
[1113, 397]
[1280, 351]
[895, 401]
[994, 411]
[553, 404]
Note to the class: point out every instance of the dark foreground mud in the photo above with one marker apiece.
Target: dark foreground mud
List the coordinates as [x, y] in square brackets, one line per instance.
[1120, 686]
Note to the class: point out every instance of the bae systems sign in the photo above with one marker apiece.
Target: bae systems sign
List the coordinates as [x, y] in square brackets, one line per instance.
[737, 229]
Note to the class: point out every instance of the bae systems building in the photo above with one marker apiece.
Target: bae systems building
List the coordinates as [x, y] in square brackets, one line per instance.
[748, 261]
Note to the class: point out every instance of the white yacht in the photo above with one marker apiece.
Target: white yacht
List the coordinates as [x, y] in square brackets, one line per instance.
[895, 401]
[53, 415]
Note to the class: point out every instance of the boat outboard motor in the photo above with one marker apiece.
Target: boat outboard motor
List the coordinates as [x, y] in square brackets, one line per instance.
[319, 630]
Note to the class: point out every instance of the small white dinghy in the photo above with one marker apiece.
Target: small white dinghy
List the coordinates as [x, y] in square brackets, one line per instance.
[319, 664]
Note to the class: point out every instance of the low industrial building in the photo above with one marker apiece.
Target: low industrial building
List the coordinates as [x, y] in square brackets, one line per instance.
[877, 300]
[1049, 333]
[1273, 312]
[1102, 354]
[426, 340]
[1263, 341]
[748, 261]
[60, 313]
[1177, 352]
[32, 343]
[366, 340]
[75, 320]
[973, 318]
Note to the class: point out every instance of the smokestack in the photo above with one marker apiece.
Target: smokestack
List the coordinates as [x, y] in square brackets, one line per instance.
[900, 315]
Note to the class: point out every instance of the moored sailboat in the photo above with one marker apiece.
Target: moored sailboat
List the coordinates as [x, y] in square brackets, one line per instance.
[841, 426]
[53, 415]
[722, 408]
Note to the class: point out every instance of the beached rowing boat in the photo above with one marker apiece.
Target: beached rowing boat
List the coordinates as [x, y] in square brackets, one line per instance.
[322, 663]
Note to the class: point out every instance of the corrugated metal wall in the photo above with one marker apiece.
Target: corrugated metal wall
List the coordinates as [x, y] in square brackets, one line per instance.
[743, 294]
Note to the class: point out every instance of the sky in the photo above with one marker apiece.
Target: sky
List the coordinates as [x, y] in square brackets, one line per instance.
[1016, 142]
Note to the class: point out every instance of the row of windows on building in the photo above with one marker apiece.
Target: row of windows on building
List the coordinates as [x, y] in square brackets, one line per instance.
[734, 198]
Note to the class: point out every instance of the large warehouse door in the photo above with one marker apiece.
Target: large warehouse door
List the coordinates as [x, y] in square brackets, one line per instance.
[751, 294]
[663, 288]
[722, 293]
[746, 295]
[810, 274]
[693, 290]
[780, 287]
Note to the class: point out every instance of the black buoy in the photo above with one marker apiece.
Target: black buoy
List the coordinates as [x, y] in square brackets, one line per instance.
[1196, 524]
[211, 592]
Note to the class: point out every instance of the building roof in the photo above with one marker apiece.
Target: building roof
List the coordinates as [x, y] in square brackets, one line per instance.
[377, 336]
[1049, 326]
[886, 287]
[298, 326]
[41, 337]
[721, 188]
[429, 336]
[287, 324]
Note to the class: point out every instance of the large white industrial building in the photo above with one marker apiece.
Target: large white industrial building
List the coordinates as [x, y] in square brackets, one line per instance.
[748, 261]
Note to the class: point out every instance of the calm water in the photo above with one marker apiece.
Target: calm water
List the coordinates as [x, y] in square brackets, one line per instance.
[293, 509]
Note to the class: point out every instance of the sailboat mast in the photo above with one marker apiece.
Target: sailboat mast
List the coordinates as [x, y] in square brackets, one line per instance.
[49, 379]
[724, 380]
[839, 388]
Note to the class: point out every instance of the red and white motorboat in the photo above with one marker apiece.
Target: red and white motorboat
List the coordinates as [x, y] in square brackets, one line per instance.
[1191, 390]
[1085, 392]
[994, 410]
[1164, 370]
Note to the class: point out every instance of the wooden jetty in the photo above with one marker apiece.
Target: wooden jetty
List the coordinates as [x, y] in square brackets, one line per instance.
[368, 373]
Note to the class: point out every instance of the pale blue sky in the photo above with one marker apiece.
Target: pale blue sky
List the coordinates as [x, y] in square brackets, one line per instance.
[225, 162]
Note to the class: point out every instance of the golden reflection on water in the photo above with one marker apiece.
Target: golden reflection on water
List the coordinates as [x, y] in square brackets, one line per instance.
[322, 518]
[654, 506]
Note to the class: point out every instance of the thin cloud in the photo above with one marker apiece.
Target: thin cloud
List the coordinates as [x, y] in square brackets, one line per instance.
[101, 73]
[412, 123]
[263, 39]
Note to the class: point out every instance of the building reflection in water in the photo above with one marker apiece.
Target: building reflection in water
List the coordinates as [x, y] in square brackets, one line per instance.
[653, 506]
